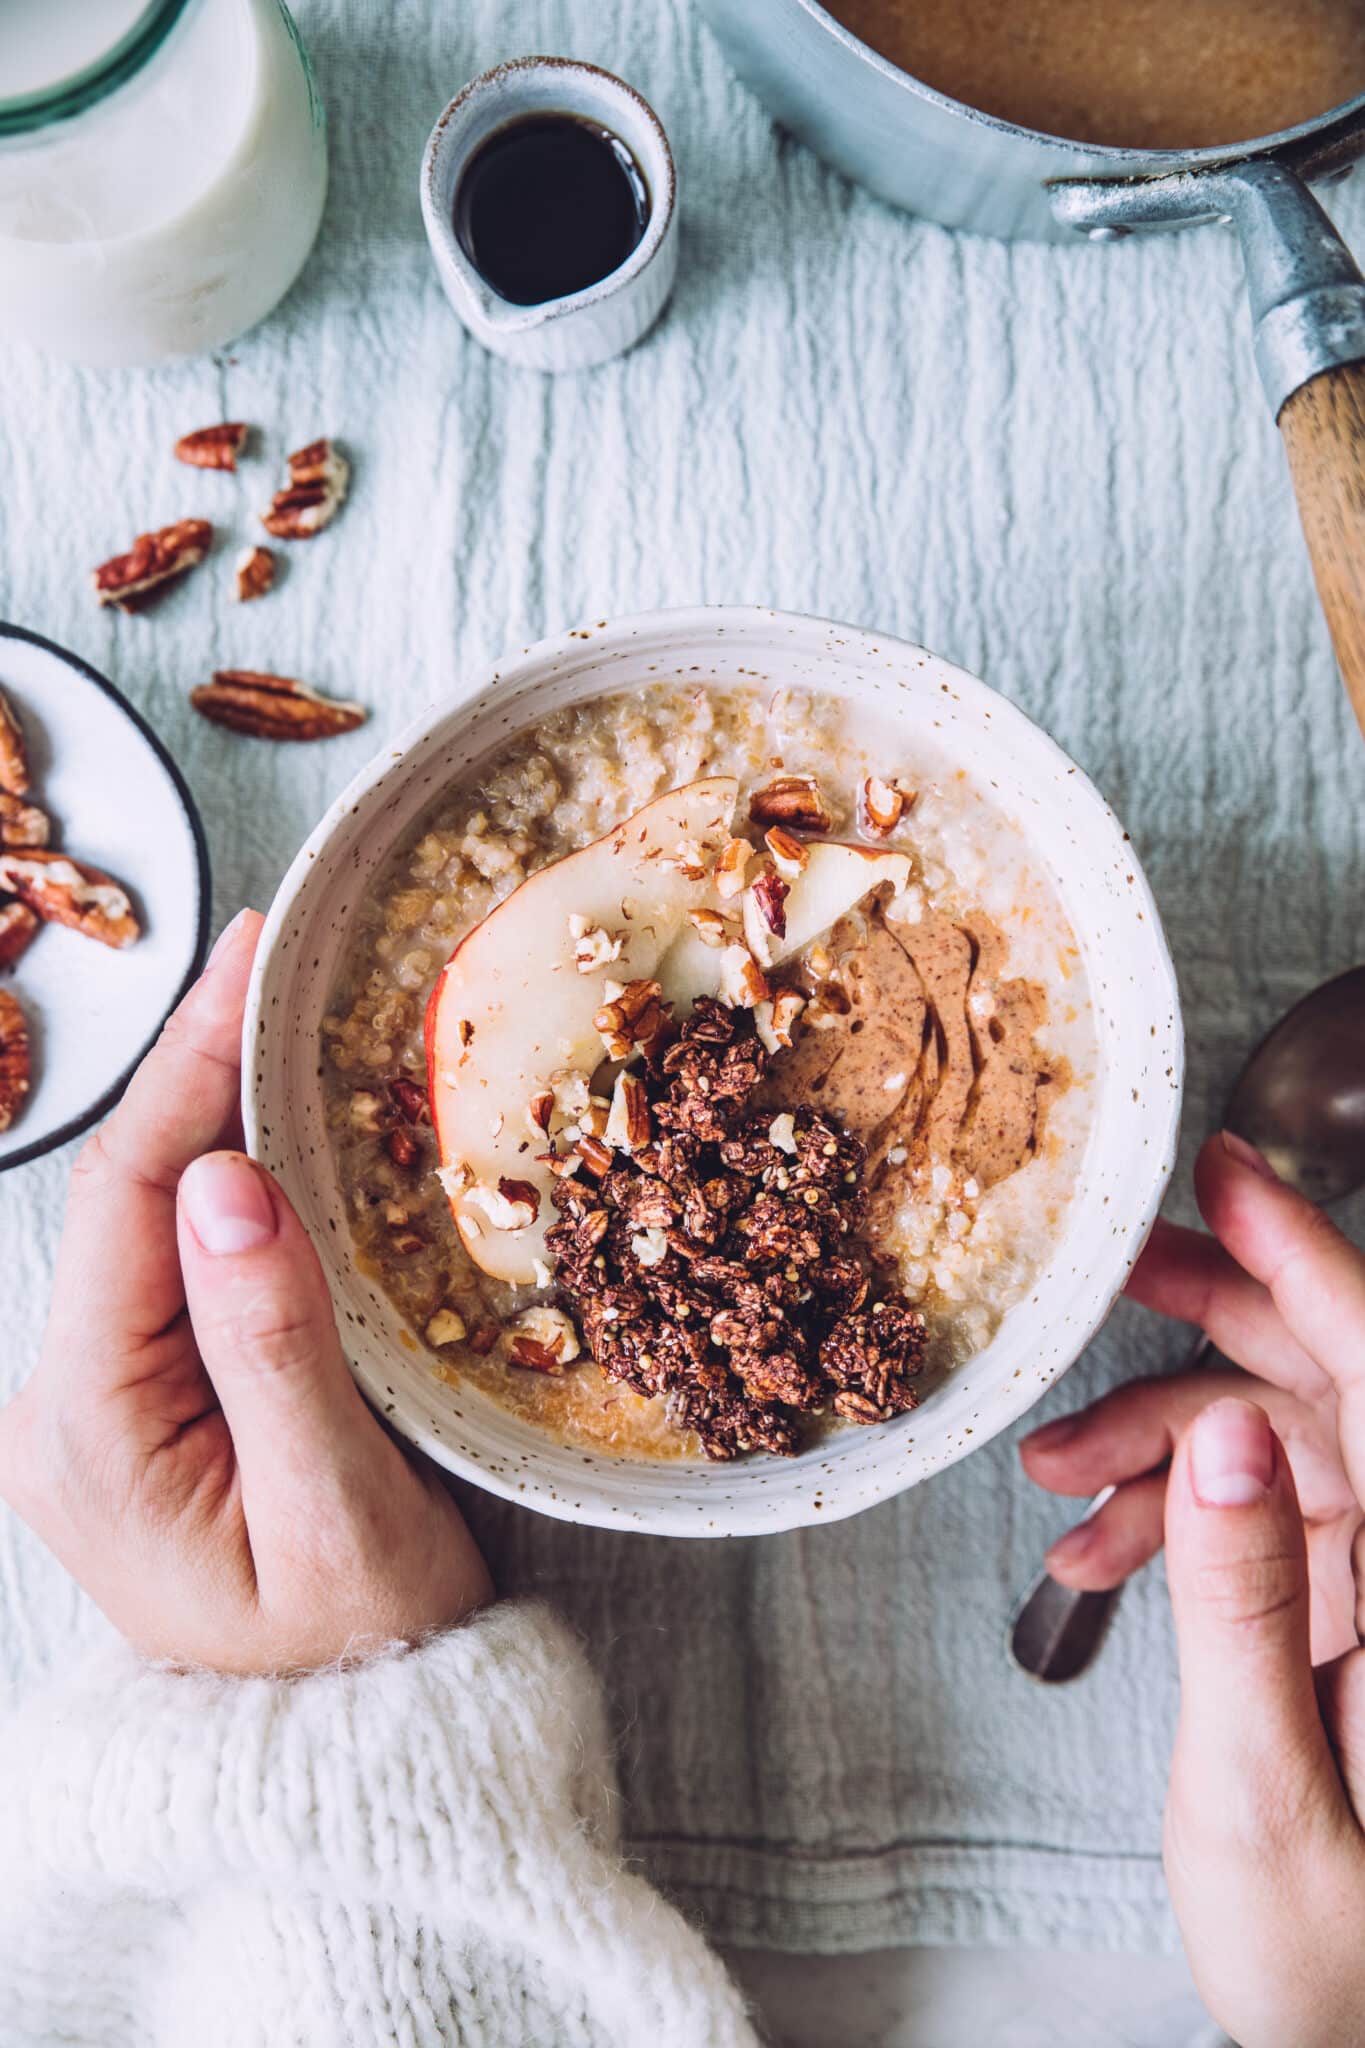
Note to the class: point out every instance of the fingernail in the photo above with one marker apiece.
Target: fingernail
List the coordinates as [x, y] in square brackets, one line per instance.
[223, 941]
[227, 1204]
[1232, 1455]
[1247, 1155]
[1071, 1548]
[1052, 1435]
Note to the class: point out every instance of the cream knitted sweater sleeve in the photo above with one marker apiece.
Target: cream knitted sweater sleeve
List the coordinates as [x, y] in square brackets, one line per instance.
[417, 1850]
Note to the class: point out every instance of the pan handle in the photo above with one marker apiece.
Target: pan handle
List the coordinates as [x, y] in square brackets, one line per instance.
[1308, 319]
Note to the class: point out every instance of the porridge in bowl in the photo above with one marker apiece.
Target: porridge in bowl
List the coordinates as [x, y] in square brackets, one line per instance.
[709, 1068]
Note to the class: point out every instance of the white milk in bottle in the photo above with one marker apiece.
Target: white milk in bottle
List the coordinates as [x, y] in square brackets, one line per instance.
[162, 172]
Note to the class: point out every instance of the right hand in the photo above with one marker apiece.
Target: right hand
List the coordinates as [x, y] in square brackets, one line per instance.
[192, 1445]
[1264, 1842]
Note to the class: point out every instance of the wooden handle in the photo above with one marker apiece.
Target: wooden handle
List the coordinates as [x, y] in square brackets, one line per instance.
[1323, 424]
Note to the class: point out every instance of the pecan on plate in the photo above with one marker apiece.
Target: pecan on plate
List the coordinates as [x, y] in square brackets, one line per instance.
[267, 707]
[22, 824]
[254, 574]
[319, 476]
[19, 927]
[213, 447]
[13, 753]
[16, 1068]
[69, 892]
[135, 580]
[791, 800]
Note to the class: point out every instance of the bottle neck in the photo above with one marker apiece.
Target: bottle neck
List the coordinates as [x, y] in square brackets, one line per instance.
[98, 76]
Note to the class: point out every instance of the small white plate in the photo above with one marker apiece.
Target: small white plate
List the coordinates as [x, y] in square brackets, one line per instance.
[117, 800]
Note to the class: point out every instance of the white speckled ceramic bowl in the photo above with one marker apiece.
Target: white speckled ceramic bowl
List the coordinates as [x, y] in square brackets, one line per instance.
[1136, 1099]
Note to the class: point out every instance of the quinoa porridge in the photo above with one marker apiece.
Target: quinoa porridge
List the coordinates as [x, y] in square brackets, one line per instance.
[755, 1112]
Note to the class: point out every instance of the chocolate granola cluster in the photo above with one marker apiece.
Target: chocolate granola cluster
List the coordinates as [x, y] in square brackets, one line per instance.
[718, 1261]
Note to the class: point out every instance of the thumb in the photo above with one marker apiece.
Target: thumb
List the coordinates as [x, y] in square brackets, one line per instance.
[1251, 1747]
[264, 1325]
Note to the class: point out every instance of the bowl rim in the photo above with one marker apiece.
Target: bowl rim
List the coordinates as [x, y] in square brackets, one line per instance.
[505, 675]
[108, 1099]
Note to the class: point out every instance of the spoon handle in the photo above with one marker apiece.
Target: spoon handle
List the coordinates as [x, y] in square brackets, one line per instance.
[1323, 425]
[1057, 1631]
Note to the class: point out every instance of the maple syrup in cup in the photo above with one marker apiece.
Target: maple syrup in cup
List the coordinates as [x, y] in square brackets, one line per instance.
[550, 205]
[163, 168]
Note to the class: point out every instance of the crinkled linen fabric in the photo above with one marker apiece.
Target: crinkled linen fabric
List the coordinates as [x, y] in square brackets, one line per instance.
[1051, 465]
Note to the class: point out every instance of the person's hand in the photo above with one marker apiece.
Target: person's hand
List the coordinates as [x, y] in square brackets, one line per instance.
[191, 1445]
[1126, 1438]
[1264, 1846]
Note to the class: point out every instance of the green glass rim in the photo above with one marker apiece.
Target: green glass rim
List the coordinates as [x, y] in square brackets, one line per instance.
[85, 88]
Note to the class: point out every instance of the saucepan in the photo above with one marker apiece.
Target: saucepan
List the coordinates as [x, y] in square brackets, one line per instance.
[953, 164]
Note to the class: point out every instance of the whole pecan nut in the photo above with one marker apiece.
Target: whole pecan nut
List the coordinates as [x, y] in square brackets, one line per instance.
[70, 892]
[19, 927]
[134, 580]
[254, 573]
[791, 800]
[13, 753]
[213, 447]
[267, 707]
[319, 477]
[22, 824]
[16, 1059]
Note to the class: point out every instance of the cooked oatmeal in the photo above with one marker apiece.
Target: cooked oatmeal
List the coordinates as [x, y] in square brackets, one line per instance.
[942, 1023]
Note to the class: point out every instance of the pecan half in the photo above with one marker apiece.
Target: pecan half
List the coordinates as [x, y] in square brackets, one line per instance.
[791, 800]
[13, 753]
[254, 574]
[132, 581]
[19, 927]
[267, 707]
[65, 891]
[22, 824]
[16, 1059]
[319, 476]
[213, 447]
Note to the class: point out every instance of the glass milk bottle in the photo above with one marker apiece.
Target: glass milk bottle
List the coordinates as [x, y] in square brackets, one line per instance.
[162, 173]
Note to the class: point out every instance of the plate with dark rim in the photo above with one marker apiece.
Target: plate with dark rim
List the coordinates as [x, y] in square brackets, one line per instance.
[118, 801]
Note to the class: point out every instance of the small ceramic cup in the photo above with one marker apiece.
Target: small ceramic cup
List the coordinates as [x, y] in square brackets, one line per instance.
[606, 318]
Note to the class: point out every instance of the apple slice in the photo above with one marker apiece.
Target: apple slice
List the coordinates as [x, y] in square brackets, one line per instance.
[515, 1003]
[834, 881]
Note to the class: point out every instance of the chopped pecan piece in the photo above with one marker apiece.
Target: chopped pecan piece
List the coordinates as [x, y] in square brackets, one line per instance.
[134, 580]
[254, 574]
[628, 1125]
[319, 476]
[634, 1018]
[445, 1327]
[213, 447]
[16, 1068]
[402, 1147]
[22, 824]
[69, 892]
[776, 1021]
[788, 852]
[712, 928]
[411, 1098]
[543, 1340]
[268, 707]
[593, 945]
[19, 927]
[791, 800]
[742, 982]
[881, 804]
[13, 753]
[728, 873]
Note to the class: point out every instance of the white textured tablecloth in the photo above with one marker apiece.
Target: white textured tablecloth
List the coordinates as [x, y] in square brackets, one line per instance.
[1052, 466]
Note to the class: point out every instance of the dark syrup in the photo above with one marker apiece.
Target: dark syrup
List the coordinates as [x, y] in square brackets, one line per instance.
[548, 206]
